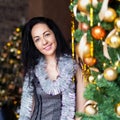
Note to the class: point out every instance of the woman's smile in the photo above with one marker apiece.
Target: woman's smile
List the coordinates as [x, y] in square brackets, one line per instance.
[48, 47]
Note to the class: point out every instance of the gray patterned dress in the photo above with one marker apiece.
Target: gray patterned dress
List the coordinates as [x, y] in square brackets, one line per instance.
[53, 100]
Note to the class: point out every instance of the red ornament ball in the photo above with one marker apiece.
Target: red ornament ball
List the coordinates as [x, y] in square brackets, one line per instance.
[98, 32]
[90, 61]
[83, 26]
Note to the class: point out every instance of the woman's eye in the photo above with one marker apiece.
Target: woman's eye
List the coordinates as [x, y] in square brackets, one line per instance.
[36, 40]
[47, 34]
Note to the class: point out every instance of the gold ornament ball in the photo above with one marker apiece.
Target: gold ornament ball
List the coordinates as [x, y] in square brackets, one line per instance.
[91, 107]
[91, 79]
[17, 29]
[4, 55]
[86, 50]
[11, 87]
[117, 109]
[8, 44]
[11, 61]
[98, 32]
[90, 110]
[82, 5]
[110, 15]
[113, 41]
[117, 24]
[18, 52]
[110, 74]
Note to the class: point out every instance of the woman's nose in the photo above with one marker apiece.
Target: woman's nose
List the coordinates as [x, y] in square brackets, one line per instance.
[44, 41]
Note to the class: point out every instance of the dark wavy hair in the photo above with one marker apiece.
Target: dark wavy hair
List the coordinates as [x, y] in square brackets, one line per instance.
[30, 54]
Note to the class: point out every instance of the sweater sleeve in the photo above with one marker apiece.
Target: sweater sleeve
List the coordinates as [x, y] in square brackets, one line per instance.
[68, 103]
[26, 100]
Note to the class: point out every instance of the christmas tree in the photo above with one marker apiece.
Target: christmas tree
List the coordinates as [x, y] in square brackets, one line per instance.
[11, 71]
[97, 46]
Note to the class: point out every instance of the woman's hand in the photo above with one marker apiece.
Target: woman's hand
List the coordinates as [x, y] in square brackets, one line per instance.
[77, 118]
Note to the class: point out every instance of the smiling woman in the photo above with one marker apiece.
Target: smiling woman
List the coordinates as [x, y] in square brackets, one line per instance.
[44, 39]
[48, 90]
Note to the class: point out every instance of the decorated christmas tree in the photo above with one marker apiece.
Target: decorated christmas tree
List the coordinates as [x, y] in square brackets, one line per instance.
[97, 46]
[11, 71]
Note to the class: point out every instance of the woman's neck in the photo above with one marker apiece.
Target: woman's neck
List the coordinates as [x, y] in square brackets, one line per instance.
[52, 65]
[51, 60]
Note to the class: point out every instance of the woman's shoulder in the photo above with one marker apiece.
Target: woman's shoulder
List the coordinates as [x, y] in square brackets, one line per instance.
[69, 61]
[69, 58]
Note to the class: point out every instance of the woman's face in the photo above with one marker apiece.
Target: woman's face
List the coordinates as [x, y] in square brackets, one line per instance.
[44, 39]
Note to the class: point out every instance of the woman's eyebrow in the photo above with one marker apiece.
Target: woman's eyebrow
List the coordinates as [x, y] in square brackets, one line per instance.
[35, 36]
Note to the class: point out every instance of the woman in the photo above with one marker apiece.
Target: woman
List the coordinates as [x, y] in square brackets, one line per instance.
[48, 90]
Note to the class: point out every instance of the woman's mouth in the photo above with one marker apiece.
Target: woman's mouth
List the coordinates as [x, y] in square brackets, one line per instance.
[48, 47]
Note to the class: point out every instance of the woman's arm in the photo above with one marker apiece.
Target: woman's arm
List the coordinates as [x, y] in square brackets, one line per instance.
[26, 101]
[80, 87]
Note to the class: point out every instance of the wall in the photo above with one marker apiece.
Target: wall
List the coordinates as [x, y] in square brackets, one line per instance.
[58, 10]
[12, 14]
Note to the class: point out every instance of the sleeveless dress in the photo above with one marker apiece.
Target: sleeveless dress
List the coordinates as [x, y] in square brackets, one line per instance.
[54, 100]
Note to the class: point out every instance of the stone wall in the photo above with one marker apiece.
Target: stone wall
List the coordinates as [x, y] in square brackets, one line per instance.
[13, 13]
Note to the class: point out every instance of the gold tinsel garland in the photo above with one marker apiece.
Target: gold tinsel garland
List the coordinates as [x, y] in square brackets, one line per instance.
[72, 32]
